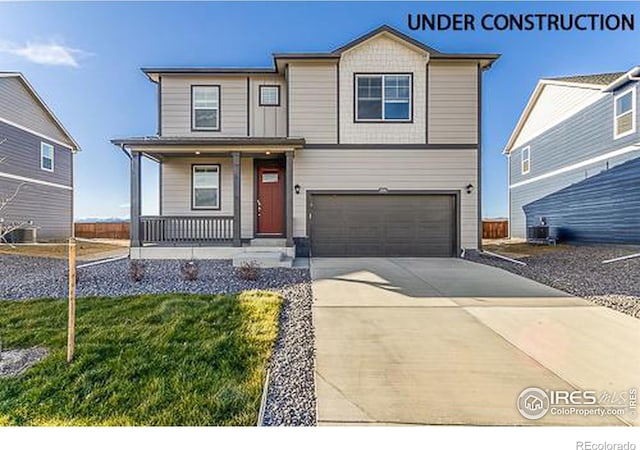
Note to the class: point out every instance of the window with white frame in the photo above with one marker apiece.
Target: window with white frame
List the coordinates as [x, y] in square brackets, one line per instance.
[383, 98]
[624, 115]
[269, 95]
[205, 105]
[46, 156]
[205, 186]
[525, 161]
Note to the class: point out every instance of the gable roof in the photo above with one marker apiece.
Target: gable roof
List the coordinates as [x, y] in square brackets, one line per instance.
[42, 104]
[485, 59]
[603, 82]
[597, 78]
[381, 30]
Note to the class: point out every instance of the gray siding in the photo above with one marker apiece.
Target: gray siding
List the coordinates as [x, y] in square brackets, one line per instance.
[20, 155]
[585, 135]
[602, 208]
[49, 208]
[18, 105]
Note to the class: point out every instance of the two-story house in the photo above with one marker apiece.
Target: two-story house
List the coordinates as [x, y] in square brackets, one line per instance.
[36, 164]
[372, 149]
[574, 159]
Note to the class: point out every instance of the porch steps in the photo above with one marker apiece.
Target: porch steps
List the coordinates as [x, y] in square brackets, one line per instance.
[264, 259]
[268, 242]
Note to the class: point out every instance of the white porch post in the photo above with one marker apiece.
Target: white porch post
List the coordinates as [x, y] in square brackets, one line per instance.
[134, 225]
[237, 228]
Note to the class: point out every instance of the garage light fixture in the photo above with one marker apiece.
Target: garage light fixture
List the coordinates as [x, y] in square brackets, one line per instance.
[469, 188]
[297, 188]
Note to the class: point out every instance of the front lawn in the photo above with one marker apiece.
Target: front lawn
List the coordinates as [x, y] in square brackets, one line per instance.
[145, 360]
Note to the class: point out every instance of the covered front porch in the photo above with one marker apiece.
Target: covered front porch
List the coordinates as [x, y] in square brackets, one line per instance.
[219, 197]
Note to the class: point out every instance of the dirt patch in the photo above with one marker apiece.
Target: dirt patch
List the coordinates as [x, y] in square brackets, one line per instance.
[518, 250]
[17, 361]
[58, 250]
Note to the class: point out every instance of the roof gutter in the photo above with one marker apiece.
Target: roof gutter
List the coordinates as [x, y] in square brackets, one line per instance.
[631, 75]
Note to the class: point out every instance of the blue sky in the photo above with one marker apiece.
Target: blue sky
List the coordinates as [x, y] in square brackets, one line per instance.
[84, 59]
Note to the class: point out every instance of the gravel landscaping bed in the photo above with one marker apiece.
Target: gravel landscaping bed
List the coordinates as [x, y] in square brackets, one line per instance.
[578, 270]
[291, 391]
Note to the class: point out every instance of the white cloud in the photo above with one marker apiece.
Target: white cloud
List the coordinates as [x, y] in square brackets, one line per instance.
[124, 205]
[51, 53]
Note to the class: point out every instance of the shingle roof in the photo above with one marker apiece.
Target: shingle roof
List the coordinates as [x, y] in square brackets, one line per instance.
[596, 78]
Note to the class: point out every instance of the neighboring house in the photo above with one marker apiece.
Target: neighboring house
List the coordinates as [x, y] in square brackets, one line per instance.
[573, 159]
[372, 149]
[36, 161]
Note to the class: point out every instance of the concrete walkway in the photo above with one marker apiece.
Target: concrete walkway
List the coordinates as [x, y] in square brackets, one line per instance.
[448, 341]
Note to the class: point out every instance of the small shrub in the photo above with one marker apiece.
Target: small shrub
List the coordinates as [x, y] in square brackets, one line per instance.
[249, 271]
[189, 270]
[136, 270]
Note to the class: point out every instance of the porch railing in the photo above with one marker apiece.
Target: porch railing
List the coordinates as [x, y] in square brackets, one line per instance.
[184, 229]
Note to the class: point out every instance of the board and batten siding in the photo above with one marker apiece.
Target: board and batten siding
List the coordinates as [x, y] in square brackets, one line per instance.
[18, 105]
[382, 55]
[453, 100]
[49, 208]
[312, 102]
[585, 135]
[267, 121]
[602, 208]
[175, 115]
[394, 169]
[176, 189]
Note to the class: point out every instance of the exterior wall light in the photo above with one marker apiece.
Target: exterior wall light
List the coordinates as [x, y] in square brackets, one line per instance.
[469, 188]
[297, 188]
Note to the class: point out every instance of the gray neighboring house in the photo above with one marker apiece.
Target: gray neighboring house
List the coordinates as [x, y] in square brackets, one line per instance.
[36, 159]
[574, 159]
[372, 149]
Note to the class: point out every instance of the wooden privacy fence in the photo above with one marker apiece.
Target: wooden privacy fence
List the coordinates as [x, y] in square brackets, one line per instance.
[103, 230]
[495, 229]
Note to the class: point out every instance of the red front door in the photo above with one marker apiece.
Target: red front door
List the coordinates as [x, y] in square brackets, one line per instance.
[270, 201]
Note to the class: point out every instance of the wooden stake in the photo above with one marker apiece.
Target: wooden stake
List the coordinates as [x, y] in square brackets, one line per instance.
[71, 336]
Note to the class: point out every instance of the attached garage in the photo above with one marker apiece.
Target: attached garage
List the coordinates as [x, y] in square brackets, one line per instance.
[383, 224]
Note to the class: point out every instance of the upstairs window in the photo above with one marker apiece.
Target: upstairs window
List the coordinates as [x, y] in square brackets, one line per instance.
[46, 156]
[269, 95]
[383, 98]
[624, 116]
[525, 161]
[205, 184]
[205, 108]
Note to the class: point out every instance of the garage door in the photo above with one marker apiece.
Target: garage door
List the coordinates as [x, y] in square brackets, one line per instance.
[383, 225]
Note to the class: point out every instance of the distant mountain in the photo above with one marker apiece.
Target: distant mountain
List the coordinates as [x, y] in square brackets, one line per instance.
[102, 219]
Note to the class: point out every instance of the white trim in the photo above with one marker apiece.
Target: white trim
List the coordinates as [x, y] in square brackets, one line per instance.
[32, 180]
[528, 160]
[613, 154]
[195, 108]
[53, 156]
[35, 133]
[622, 79]
[383, 76]
[194, 187]
[616, 116]
[75, 147]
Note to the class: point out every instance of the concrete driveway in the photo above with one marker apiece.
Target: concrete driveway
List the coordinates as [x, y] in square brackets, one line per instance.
[448, 341]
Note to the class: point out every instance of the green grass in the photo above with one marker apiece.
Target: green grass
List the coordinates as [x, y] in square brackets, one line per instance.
[146, 360]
